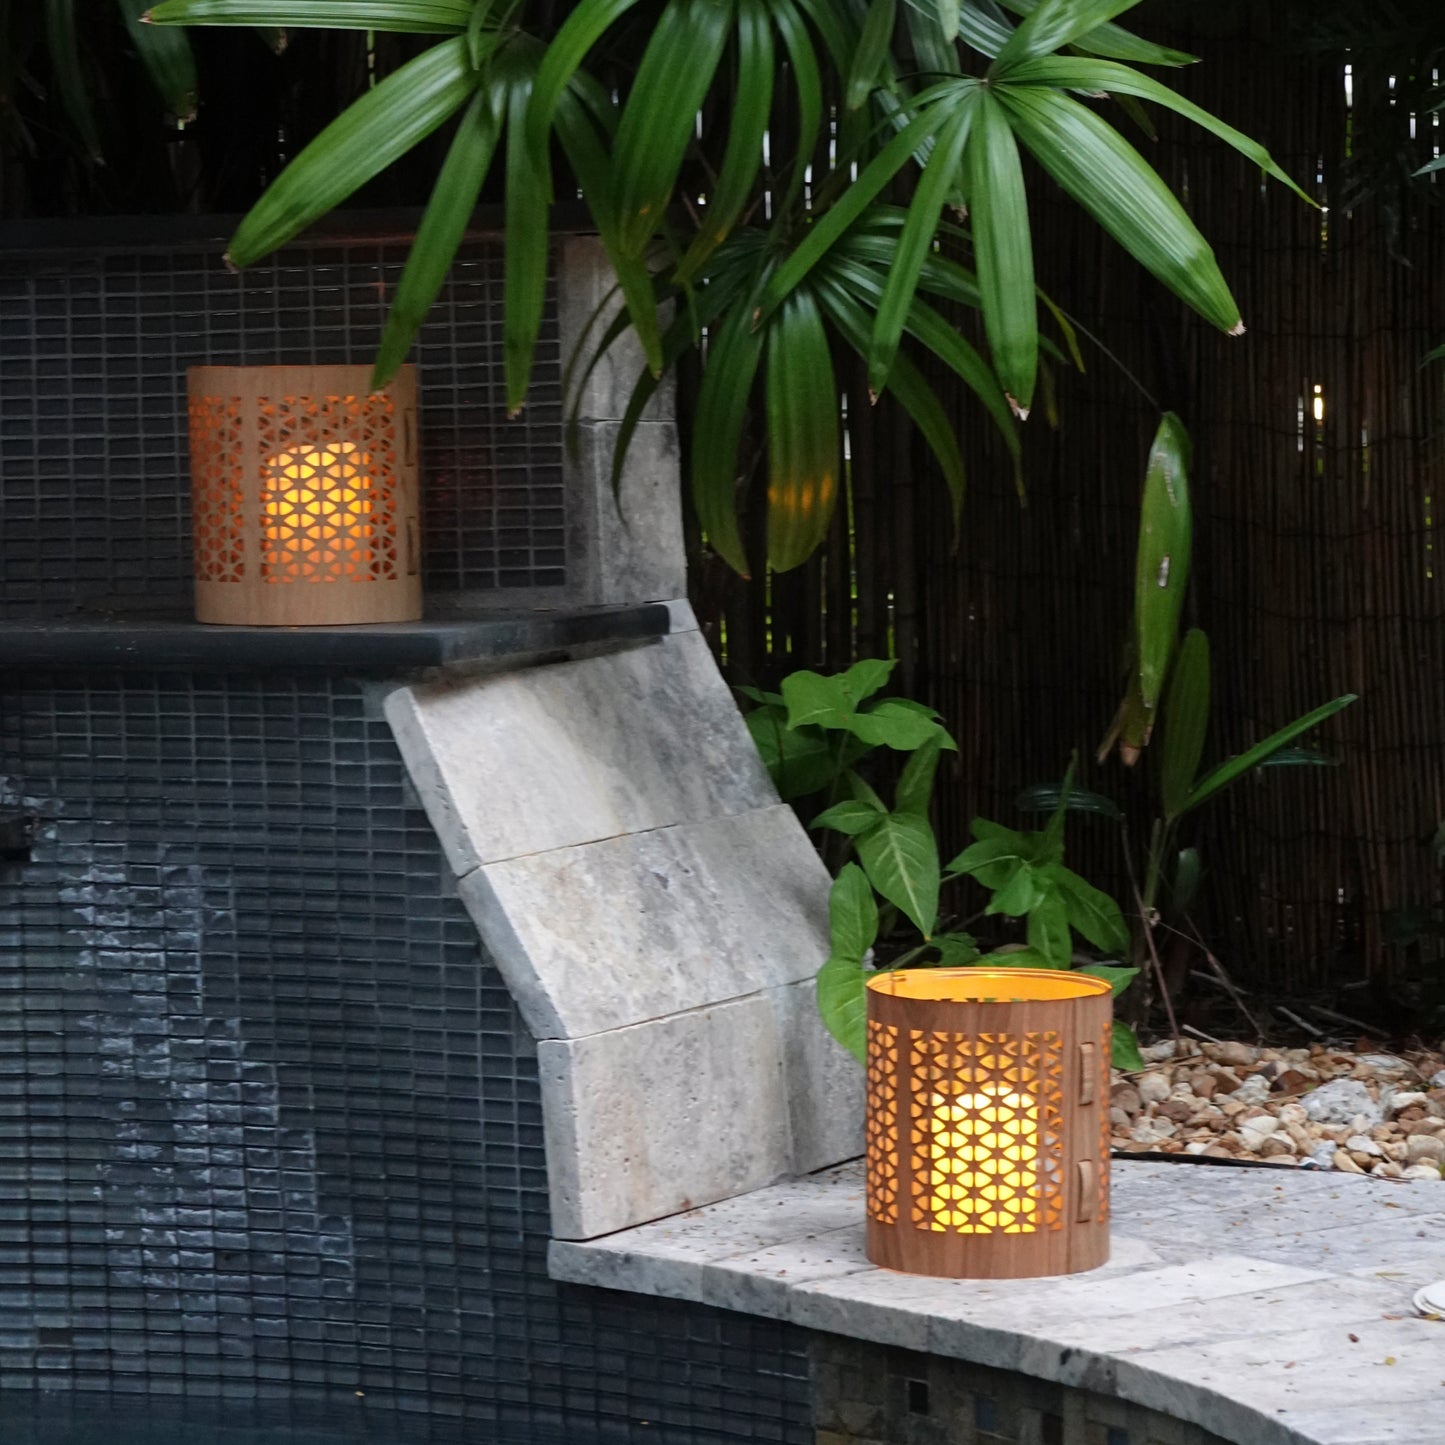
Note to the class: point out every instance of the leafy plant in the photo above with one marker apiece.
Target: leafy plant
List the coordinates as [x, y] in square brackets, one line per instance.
[812, 736]
[770, 231]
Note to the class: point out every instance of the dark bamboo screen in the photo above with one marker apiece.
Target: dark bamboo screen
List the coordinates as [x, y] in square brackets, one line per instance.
[1318, 569]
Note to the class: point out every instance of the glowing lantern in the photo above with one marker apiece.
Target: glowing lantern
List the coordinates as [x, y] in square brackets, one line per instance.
[988, 1123]
[304, 495]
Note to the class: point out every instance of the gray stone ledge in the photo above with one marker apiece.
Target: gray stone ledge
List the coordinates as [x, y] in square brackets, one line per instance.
[1271, 1308]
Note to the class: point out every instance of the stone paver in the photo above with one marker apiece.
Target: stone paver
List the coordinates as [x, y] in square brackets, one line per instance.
[1272, 1308]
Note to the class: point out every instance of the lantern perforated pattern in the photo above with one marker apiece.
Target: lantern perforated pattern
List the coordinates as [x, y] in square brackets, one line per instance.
[328, 507]
[218, 488]
[986, 1132]
[881, 1128]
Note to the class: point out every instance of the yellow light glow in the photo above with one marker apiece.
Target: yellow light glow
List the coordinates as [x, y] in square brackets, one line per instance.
[317, 506]
[984, 1162]
[1319, 403]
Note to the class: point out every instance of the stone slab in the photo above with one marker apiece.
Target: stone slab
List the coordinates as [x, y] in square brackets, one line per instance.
[658, 1118]
[552, 757]
[650, 924]
[1254, 1335]
[825, 1083]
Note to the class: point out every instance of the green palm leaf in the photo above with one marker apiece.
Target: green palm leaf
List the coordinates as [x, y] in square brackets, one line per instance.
[1055, 23]
[802, 402]
[581, 30]
[661, 112]
[743, 157]
[1066, 72]
[524, 276]
[168, 59]
[1185, 722]
[809, 85]
[1115, 42]
[364, 139]
[871, 56]
[915, 242]
[1110, 179]
[722, 406]
[64, 43]
[1003, 250]
[443, 224]
[405, 17]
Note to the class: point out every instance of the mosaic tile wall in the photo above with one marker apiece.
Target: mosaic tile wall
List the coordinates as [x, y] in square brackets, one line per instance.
[269, 1124]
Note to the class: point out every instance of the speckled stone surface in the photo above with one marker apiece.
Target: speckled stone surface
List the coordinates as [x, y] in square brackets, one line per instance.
[1271, 1307]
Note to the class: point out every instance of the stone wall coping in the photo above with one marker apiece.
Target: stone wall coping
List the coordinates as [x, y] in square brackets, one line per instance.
[1269, 1307]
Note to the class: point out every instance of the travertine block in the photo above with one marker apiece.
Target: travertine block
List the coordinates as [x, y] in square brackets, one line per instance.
[661, 1117]
[550, 757]
[634, 928]
[825, 1083]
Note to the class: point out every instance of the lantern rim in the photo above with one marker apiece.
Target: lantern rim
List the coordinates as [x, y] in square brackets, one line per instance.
[988, 985]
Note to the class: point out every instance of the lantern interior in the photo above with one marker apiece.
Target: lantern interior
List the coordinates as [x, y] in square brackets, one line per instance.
[988, 985]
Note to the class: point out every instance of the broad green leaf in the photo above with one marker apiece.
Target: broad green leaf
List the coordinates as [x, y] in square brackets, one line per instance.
[168, 59]
[1092, 913]
[992, 861]
[1161, 564]
[915, 241]
[364, 139]
[1072, 72]
[661, 113]
[747, 128]
[890, 726]
[1048, 929]
[860, 789]
[1125, 1049]
[900, 857]
[915, 785]
[1115, 184]
[443, 224]
[1020, 895]
[872, 54]
[801, 762]
[948, 18]
[1045, 797]
[722, 405]
[1111, 40]
[803, 440]
[1185, 722]
[64, 42]
[849, 816]
[413, 17]
[757, 695]
[843, 1004]
[1053, 24]
[955, 950]
[852, 914]
[986, 828]
[524, 277]
[1118, 978]
[1003, 250]
[831, 701]
[583, 28]
[1228, 772]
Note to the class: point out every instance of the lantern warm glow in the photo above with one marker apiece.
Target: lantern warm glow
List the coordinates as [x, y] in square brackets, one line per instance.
[987, 1134]
[304, 495]
[317, 503]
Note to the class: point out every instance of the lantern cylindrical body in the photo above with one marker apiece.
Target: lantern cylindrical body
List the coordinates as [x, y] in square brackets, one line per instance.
[304, 495]
[988, 1121]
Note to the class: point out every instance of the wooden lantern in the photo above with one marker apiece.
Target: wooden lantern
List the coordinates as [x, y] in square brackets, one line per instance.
[304, 495]
[988, 1121]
